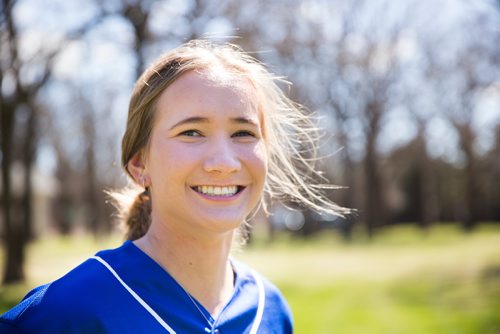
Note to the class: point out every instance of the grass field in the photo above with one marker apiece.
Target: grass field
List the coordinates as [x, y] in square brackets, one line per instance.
[400, 282]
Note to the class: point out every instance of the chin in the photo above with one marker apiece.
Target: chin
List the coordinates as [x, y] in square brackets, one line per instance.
[223, 225]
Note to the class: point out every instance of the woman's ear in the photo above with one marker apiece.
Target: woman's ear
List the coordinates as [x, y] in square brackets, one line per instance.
[137, 168]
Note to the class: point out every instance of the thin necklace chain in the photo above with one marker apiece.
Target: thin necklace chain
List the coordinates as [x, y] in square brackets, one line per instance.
[197, 307]
[194, 302]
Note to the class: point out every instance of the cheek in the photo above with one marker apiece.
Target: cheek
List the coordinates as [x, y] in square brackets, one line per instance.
[169, 162]
[260, 161]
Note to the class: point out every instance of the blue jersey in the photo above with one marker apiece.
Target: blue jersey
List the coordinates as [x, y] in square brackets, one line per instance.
[124, 291]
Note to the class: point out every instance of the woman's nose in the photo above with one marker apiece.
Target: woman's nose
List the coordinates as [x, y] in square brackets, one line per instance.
[221, 158]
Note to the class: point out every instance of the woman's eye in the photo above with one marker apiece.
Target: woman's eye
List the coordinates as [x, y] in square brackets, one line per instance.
[190, 133]
[243, 134]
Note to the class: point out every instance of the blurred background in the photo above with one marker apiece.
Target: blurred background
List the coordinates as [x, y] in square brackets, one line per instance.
[408, 93]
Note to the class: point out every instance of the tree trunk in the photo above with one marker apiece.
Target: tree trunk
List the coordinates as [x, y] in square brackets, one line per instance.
[29, 157]
[427, 200]
[470, 218]
[373, 202]
[138, 18]
[471, 194]
[349, 180]
[92, 197]
[13, 228]
[375, 214]
[14, 242]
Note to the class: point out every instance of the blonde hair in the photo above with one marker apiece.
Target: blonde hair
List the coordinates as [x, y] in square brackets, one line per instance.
[288, 130]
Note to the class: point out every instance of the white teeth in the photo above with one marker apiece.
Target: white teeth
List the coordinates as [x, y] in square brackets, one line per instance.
[217, 191]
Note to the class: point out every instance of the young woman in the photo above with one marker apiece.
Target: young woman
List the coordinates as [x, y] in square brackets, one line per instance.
[209, 135]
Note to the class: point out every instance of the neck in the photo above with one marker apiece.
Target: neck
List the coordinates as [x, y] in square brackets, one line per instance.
[200, 266]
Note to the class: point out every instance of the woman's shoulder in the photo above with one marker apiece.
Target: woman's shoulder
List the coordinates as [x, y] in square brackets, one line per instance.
[74, 298]
[277, 309]
[252, 276]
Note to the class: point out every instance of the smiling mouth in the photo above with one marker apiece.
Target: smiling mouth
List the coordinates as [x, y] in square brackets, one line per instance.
[226, 191]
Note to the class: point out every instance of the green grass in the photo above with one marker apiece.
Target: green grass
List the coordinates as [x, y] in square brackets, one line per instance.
[403, 281]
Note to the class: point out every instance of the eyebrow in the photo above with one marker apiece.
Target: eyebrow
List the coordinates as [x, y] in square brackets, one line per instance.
[198, 120]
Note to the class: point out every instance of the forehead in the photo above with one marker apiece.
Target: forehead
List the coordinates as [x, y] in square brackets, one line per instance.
[209, 93]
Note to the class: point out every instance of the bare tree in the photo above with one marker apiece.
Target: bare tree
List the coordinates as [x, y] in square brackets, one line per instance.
[416, 97]
[460, 81]
[21, 98]
[137, 14]
[17, 212]
[352, 71]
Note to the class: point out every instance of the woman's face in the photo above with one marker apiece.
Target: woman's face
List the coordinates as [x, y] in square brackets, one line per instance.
[206, 161]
